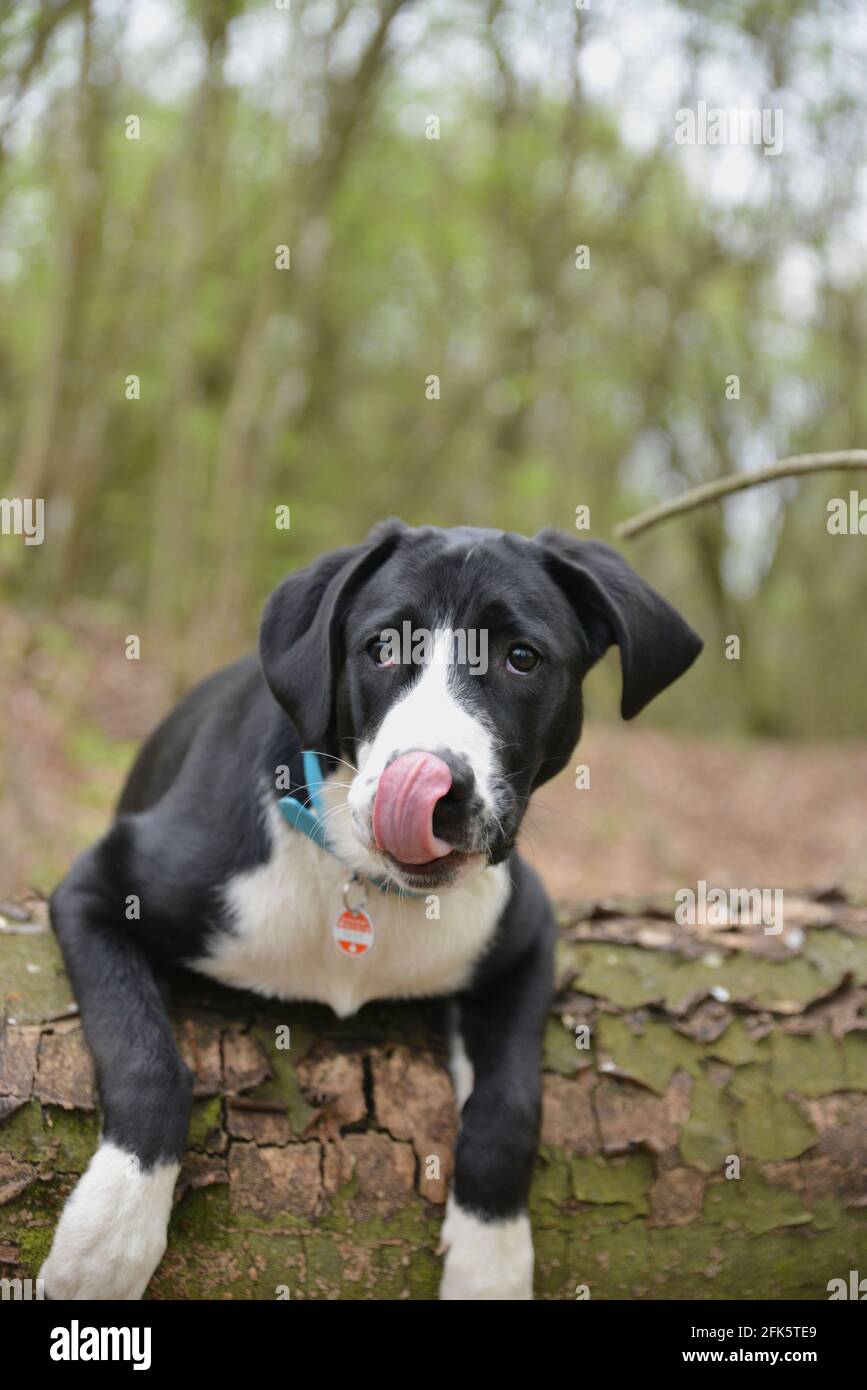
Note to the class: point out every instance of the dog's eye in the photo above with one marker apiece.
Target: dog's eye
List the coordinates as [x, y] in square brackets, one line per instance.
[522, 659]
[380, 652]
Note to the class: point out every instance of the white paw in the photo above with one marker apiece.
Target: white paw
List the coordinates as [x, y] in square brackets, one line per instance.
[112, 1232]
[486, 1259]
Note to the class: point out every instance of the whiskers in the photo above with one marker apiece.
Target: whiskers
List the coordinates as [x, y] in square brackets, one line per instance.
[333, 758]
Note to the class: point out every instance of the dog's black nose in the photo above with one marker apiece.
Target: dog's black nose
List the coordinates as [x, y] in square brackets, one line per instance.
[463, 778]
[451, 813]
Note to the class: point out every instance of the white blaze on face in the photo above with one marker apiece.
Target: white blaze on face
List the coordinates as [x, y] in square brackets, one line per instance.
[431, 718]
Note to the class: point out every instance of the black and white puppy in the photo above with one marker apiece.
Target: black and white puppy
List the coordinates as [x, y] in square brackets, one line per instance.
[431, 769]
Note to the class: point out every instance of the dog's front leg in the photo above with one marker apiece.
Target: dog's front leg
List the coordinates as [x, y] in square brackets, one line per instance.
[496, 1064]
[112, 1232]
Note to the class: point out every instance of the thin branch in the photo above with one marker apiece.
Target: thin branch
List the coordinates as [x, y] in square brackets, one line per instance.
[736, 482]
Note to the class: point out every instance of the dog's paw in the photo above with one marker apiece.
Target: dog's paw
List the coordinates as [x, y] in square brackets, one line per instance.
[112, 1232]
[486, 1259]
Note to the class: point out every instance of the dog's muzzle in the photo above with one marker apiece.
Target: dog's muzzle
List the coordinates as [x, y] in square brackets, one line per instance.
[407, 797]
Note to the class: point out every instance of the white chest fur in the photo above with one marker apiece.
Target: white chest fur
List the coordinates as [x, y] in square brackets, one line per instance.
[282, 942]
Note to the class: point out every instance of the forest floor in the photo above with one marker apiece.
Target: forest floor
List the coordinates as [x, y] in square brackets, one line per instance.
[661, 811]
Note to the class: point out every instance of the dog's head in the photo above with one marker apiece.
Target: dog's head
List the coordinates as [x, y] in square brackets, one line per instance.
[445, 668]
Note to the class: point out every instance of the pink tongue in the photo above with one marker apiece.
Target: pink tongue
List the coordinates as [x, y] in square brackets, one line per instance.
[407, 793]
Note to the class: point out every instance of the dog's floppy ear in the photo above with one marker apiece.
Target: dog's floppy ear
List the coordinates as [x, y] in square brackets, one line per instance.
[614, 604]
[298, 638]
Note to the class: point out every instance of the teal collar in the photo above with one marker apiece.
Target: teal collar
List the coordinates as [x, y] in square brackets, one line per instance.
[310, 820]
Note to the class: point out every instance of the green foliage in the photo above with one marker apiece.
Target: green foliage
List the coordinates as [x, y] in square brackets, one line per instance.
[414, 257]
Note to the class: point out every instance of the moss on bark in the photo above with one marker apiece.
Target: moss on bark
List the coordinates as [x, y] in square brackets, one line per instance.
[709, 1140]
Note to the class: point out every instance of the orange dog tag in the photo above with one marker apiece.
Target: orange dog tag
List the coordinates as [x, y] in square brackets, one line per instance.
[353, 932]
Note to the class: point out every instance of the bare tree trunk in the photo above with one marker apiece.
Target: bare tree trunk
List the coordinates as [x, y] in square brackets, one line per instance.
[40, 464]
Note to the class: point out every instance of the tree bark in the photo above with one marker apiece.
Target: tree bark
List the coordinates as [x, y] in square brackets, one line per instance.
[709, 1141]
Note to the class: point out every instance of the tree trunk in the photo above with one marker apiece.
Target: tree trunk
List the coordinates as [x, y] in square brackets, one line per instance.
[709, 1141]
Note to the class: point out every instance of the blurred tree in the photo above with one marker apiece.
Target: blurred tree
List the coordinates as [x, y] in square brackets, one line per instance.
[451, 257]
